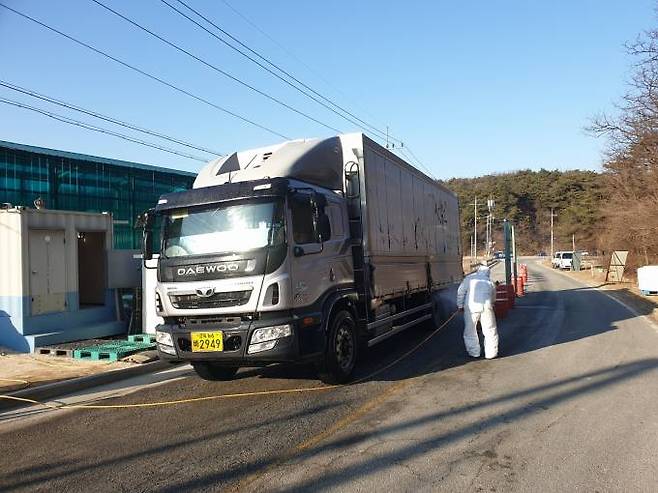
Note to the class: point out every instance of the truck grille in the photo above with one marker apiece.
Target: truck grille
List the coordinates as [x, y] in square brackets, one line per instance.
[217, 300]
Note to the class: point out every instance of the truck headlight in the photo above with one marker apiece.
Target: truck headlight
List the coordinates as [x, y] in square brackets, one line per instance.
[163, 338]
[265, 334]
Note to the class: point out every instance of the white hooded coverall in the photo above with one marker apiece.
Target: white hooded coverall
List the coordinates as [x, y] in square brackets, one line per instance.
[477, 296]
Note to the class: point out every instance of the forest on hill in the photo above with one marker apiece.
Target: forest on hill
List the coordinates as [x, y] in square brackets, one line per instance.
[525, 198]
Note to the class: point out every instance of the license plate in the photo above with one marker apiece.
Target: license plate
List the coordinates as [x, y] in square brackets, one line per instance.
[207, 341]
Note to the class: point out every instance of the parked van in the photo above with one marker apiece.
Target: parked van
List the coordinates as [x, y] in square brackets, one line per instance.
[562, 260]
[555, 261]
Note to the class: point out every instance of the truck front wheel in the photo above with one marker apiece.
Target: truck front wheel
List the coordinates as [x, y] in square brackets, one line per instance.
[213, 372]
[340, 354]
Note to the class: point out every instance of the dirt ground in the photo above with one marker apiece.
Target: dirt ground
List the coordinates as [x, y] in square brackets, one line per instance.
[38, 369]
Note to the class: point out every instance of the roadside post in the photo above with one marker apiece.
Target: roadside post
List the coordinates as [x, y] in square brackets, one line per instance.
[507, 233]
[515, 261]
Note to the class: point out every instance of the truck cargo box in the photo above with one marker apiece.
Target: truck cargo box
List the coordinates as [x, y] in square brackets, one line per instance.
[411, 222]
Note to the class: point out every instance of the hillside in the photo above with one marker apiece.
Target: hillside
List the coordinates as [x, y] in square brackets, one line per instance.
[525, 198]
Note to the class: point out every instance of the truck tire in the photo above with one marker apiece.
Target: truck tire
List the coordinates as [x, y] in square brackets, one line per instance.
[341, 350]
[213, 371]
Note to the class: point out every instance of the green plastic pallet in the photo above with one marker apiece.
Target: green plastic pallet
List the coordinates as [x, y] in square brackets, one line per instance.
[145, 338]
[112, 351]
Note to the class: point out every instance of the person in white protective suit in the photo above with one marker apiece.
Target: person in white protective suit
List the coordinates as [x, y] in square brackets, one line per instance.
[476, 297]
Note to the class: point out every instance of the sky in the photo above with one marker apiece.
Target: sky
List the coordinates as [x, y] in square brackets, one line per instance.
[471, 88]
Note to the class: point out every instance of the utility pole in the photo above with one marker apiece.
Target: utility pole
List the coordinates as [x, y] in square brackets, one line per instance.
[573, 242]
[490, 205]
[475, 229]
[552, 236]
[507, 234]
[514, 259]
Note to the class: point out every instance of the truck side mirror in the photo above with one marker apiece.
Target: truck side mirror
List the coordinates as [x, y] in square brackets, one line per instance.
[146, 220]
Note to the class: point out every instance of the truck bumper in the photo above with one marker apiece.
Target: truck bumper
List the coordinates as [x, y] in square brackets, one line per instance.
[304, 343]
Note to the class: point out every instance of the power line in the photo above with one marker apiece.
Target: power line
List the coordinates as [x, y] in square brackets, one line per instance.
[165, 82]
[359, 122]
[418, 161]
[216, 68]
[291, 54]
[109, 119]
[144, 73]
[412, 158]
[405, 151]
[77, 123]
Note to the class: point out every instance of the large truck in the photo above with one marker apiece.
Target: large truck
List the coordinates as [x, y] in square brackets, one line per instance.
[309, 250]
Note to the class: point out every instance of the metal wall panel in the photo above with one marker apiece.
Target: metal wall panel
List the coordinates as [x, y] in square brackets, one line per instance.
[11, 257]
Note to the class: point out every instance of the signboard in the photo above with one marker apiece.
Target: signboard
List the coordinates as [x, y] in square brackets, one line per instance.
[617, 266]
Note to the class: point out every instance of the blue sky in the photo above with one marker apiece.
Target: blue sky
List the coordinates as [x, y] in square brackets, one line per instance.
[472, 87]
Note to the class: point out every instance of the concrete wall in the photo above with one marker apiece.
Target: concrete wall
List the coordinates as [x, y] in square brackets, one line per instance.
[13, 302]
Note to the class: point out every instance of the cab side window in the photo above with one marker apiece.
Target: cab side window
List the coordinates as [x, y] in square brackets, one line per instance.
[303, 225]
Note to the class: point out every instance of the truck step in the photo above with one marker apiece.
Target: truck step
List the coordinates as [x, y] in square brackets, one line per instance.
[112, 351]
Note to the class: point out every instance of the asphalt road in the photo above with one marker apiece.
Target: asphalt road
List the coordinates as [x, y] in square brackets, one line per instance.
[570, 405]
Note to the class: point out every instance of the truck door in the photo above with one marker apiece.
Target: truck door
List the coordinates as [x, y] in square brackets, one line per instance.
[317, 263]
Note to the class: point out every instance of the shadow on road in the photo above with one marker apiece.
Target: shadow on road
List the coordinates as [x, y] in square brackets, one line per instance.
[541, 397]
[29, 476]
[559, 392]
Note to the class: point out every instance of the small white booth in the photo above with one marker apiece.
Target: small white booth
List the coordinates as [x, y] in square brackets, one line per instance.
[58, 277]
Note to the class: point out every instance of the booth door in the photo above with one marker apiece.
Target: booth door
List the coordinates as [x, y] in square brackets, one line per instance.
[47, 271]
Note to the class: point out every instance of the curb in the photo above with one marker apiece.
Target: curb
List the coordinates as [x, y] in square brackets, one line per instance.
[57, 389]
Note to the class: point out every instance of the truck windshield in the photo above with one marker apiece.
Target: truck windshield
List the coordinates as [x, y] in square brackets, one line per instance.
[567, 255]
[222, 229]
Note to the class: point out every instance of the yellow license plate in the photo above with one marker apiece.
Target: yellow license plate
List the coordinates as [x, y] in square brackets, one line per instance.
[207, 341]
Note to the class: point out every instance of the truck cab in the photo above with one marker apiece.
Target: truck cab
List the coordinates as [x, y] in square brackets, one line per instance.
[227, 266]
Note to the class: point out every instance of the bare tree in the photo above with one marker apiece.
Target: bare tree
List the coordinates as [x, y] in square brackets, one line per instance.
[631, 165]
